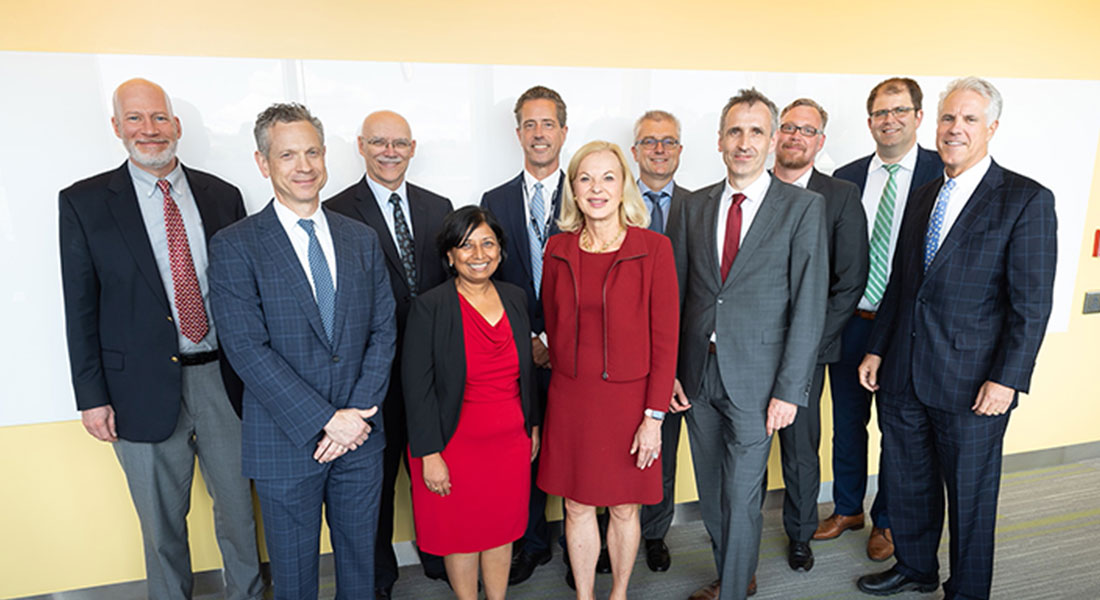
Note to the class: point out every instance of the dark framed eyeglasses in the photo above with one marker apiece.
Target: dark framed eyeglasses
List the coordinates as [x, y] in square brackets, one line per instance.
[897, 111]
[397, 143]
[650, 143]
[805, 130]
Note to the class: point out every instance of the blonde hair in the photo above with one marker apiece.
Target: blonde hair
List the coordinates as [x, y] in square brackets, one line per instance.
[632, 210]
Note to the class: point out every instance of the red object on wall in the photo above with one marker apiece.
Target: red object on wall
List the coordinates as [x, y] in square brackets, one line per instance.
[1096, 244]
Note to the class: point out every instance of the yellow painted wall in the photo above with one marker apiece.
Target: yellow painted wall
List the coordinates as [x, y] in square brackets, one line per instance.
[65, 517]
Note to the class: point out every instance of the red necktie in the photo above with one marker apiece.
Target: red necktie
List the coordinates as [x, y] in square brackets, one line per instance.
[188, 296]
[733, 234]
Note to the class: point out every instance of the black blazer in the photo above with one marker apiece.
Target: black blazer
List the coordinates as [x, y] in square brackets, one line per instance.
[123, 343]
[433, 364]
[928, 168]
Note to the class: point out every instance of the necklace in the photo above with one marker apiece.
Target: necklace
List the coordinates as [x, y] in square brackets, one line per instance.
[589, 243]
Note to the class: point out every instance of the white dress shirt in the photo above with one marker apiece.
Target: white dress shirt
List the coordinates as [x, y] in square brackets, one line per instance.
[877, 176]
[382, 198]
[549, 188]
[754, 197]
[965, 184]
[299, 239]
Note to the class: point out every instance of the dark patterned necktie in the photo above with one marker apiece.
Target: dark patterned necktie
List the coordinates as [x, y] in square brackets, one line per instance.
[404, 243]
[185, 284]
[323, 289]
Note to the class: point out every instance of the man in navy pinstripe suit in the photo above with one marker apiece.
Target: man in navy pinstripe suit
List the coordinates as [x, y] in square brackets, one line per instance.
[303, 303]
[954, 344]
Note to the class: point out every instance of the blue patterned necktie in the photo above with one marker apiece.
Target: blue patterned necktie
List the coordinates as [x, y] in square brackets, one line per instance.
[322, 279]
[537, 237]
[656, 213]
[935, 224]
[404, 243]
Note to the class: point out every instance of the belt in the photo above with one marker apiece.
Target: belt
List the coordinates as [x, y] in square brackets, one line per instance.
[198, 358]
[865, 314]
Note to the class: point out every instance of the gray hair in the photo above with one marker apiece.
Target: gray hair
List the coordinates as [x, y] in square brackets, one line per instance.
[282, 113]
[656, 115]
[814, 105]
[980, 86]
[750, 96]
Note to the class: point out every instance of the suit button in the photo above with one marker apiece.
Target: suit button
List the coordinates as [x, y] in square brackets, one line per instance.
[169, 317]
[335, 359]
[175, 359]
[604, 375]
[720, 301]
[912, 334]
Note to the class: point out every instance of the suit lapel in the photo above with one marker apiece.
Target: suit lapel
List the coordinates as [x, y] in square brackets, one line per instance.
[277, 246]
[555, 206]
[372, 216]
[710, 230]
[762, 225]
[204, 202]
[516, 221]
[124, 208]
[424, 246]
[343, 246]
[975, 207]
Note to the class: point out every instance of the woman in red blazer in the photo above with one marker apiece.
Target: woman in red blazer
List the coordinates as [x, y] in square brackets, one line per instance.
[610, 297]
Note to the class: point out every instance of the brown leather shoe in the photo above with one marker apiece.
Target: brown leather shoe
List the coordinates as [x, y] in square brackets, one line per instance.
[709, 591]
[836, 525]
[752, 587]
[880, 545]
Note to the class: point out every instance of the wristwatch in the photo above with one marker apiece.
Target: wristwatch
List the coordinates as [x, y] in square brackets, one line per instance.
[655, 414]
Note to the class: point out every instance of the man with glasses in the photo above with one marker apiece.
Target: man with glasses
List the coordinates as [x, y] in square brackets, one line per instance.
[801, 137]
[657, 151]
[886, 178]
[407, 219]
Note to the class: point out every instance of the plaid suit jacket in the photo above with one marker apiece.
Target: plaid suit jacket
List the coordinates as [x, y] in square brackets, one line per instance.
[981, 310]
[271, 330]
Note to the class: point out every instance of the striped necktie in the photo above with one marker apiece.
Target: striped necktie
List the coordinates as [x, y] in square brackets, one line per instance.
[537, 237]
[880, 238]
[935, 223]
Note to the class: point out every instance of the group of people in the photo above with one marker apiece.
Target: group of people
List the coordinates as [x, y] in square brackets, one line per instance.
[551, 340]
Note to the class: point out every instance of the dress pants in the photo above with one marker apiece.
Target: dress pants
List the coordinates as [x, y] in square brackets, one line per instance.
[799, 443]
[729, 449]
[656, 518]
[927, 449]
[349, 488]
[159, 476]
[851, 413]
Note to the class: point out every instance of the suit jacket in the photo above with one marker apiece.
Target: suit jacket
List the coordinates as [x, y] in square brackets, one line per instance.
[641, 316]
[849, 257]
[295, 379]
[980, 311]
[768, 313]
[928, 167]
[507, 205]
[675, 206]
[123, 342]
[435, 375]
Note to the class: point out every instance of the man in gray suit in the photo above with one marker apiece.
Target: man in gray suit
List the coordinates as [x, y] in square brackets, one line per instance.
[801, 137]
[753, 279]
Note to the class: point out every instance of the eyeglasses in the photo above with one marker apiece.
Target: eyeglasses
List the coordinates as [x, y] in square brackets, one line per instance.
[805, 130]
[396, 143]
[897, 111]
[651, 143]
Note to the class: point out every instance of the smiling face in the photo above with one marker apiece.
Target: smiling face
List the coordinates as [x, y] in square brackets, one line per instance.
[295, 163]
[387, 145]
[894, 135]
[795, 150]
[478, 256]
[963, 131]
[540, 134]
[745, 141]
[144, 122]
[598, 186]
[659, 162]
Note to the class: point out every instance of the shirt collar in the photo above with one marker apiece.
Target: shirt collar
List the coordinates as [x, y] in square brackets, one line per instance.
[804, 180]
[146, 182]
[669, 187]
[382, 193]
[754, 192]
[970, 178]
[907, 162]
[289, 219]
[549, 184]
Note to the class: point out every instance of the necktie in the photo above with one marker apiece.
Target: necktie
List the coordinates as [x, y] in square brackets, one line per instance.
[935, 224]
[733, 234]
[537, 237]
[404, 243]
[657, 214]
[185, 284]
[322, 279]
[880, 238]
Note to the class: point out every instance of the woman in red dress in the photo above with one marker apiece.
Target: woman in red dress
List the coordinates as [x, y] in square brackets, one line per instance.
[611, 301]
[473, 433]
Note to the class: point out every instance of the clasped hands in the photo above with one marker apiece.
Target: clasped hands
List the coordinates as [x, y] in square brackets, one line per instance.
[345, 431]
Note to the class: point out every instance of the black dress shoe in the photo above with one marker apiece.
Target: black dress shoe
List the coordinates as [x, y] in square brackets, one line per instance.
[603, 563]
[383, 593]
[799, 556]
[524, 563]
[657, 557]
[888, 583]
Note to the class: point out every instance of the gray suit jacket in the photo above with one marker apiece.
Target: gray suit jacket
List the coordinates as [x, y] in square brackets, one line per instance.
[769, 314]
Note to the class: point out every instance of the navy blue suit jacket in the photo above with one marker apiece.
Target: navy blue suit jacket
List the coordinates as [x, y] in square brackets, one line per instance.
[981, 310]
[928, 167]
[123, 342]
[269, 323]
[507, 205]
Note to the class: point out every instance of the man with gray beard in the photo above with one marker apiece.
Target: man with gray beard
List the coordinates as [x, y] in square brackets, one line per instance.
[147, 370]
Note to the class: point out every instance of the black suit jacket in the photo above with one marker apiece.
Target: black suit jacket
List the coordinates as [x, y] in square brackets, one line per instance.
[928, 167]
[676, 207]
[849, 256]
[123, 342]
[507, 205]
[434, 365]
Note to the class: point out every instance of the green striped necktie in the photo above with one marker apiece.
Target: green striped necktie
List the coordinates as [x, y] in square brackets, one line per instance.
[880, 238]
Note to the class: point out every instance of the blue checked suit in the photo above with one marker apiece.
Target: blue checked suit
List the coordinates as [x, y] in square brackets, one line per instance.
[979, 313]
[295, 380]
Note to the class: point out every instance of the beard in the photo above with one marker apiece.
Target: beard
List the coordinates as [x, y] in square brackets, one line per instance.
[792, 161]
[158, 160]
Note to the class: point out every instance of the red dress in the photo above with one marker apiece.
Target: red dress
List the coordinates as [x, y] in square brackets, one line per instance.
[590, 422]
[489, 456]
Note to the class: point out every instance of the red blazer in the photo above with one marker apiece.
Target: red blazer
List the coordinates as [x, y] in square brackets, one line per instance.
[641, 310]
